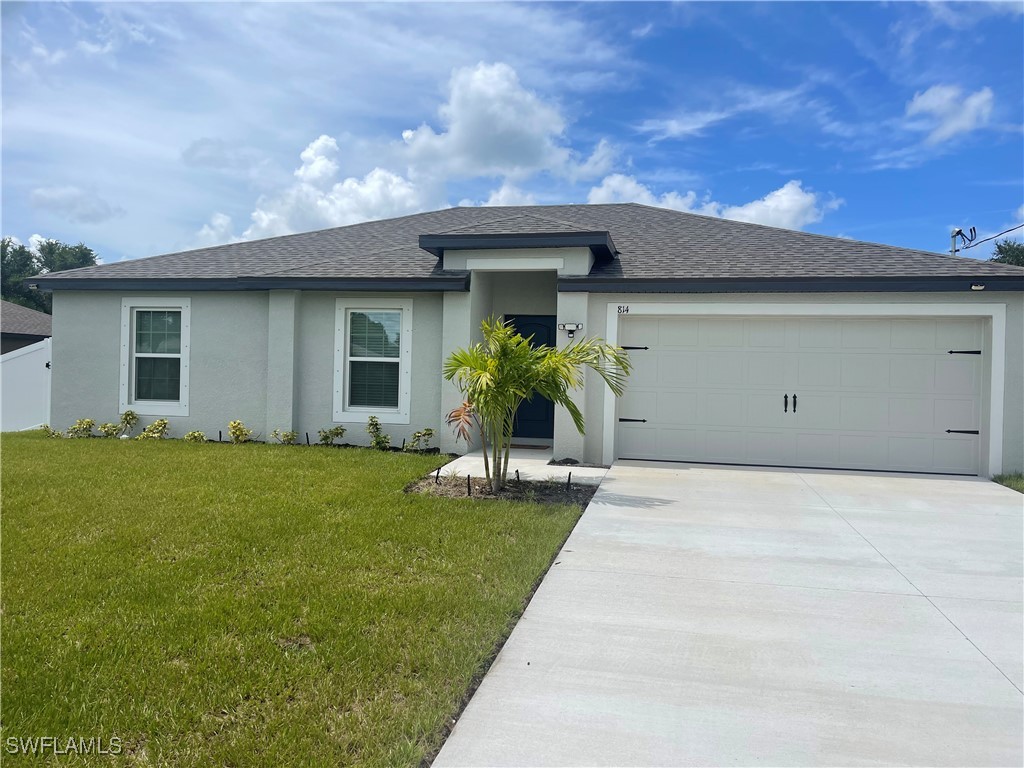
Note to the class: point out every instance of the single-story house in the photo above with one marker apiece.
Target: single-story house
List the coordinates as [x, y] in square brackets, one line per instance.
[750, 344]
[21, 326]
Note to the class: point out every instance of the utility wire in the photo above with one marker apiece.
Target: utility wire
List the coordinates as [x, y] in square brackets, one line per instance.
[975, 245]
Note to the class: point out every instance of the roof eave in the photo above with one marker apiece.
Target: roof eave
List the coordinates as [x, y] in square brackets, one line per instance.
[453, 282]
[908, 284]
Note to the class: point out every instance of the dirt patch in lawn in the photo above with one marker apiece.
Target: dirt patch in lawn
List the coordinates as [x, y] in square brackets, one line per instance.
[543, 492]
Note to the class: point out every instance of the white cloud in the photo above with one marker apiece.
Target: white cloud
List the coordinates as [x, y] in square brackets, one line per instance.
[318, 199]
[318, 162]
[641, 31]
[509, 194]
[740, 100]
[492, 126]
[945, 112]
[1020, 214]
[217, 231]
[74, 204]
[790, 207]
[619, 188]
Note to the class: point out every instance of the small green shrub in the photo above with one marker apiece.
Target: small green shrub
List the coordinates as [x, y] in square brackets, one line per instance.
[50, 432]
[285, 438]
[420, 440]
[238, 433]
[158, 430]
[128, 421]
[329, 435]
[81, 428]
[110, 430]
[378, 439]
[195, 436]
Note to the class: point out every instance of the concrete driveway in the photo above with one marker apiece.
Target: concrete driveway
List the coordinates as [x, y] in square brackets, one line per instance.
[743, 616]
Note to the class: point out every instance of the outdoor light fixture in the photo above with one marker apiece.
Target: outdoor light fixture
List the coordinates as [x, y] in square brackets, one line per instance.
[977, 286]
[571, 328]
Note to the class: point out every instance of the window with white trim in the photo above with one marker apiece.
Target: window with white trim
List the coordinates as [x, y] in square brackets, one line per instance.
[154, 355]
[373, 353]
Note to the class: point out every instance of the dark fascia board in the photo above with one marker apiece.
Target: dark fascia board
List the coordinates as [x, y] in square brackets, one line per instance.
[791, 285]
[25, 336]
[598, 242]
[455, 282]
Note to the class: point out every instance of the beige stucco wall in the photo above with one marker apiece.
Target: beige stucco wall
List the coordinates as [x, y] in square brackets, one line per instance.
[230, 371]
[233, 340]
[1013, 398]
[227, 364]
[315, 366]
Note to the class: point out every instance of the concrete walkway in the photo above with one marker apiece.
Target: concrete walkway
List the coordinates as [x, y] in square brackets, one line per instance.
[727, 616]
[532, 464]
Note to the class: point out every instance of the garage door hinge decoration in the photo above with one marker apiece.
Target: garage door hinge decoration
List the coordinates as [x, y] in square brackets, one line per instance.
[636, 347]
[640, 421]
[964, 352]
[961, 432]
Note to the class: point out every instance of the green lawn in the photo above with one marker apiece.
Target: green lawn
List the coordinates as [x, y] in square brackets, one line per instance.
[251, 605]
[1015, 481]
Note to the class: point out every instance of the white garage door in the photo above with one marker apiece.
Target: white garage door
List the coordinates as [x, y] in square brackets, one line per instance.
[808, 392]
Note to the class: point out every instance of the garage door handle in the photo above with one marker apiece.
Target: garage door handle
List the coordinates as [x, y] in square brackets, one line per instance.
[640, 421]
[794, 402]
[785, 403]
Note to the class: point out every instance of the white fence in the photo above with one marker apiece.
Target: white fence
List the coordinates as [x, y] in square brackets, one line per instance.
[25, 387]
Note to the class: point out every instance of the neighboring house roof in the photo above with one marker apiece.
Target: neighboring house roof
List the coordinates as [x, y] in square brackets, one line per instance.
[657, 249]
[23, 321]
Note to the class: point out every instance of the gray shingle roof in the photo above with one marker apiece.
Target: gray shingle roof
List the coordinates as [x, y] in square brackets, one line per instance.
[15, 318]
[653, 243]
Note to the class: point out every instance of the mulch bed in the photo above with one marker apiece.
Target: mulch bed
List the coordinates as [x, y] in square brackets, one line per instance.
[539, 492]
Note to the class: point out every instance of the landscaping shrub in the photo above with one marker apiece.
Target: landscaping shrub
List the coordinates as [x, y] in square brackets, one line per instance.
[108, 429]
[422, 437]
[128, 421]
[285, 438]
[158, 430]
[378, 439]
[238, 433]
[195, 436]
[329, 435]
[81, 428]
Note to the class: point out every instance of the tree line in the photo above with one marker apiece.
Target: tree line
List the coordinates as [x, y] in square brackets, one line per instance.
[19, 262]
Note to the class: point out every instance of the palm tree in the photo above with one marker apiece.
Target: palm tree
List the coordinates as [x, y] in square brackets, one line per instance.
[497, 375]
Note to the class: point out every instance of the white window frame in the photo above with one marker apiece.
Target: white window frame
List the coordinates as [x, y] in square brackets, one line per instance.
[129, 306]
[343, 412]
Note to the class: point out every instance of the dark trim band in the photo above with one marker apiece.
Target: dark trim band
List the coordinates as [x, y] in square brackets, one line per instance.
[792, 285]
[458, 283]
[598, 242]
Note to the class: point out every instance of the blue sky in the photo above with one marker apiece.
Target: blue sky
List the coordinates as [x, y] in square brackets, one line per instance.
[144, 128]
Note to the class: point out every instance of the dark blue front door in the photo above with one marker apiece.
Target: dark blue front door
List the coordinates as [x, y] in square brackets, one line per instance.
[535, 418]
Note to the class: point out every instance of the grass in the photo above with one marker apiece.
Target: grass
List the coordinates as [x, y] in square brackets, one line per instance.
[1015, 481]
[251, 605]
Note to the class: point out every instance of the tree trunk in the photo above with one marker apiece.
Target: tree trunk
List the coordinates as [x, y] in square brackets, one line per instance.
[497, 481]
[483, 447]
